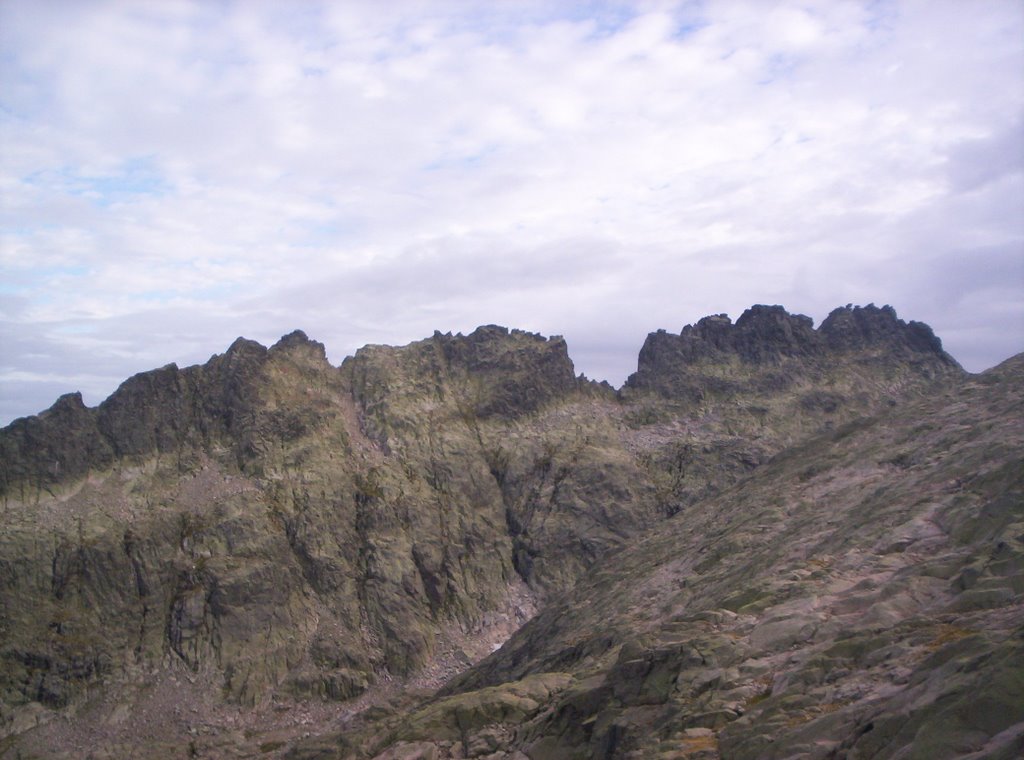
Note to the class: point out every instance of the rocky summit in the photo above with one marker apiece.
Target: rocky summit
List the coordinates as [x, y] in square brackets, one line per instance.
[774, 541]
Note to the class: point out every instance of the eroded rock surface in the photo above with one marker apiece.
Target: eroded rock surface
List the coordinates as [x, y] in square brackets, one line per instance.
[861, 595]
[294, 546]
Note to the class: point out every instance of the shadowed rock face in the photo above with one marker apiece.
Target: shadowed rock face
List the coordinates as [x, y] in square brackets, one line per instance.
[276, 521]
[267, 527]
[768, 347]
[491, 373]
[63, 443]
[856, 328]
[163, 411]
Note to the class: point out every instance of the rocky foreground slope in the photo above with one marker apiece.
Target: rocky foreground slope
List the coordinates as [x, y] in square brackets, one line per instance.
[772, 537]
[857, 596]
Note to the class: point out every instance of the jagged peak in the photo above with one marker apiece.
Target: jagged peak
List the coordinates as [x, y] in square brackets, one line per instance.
[845, 328]
[243, 346]
[762, 334]
[775, 314]
[143, 379]
[770, 335]
[491, 335]
[489, 331]
[713, 320]
[500, 332]
[297, 340]
[294, 337]
[513, 372]
[853, 327]
[68, 402]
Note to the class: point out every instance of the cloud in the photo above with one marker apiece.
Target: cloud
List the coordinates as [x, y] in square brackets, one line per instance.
[178, 173]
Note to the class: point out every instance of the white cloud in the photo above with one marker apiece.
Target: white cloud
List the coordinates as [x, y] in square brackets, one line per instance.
[178, 173]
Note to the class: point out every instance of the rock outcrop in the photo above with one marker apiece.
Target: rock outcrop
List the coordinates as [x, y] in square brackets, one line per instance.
[278, 523]
[861, 595]
[269, 531]
[768, 350]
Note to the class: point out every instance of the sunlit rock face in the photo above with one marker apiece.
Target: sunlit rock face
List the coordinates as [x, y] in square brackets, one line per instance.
[268, 529]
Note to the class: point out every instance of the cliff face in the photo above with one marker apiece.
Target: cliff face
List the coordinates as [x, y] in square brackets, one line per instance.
[164, 412]
[768, 350]
[278, 523]
[718, 399]
[267, 528]
[861, 595]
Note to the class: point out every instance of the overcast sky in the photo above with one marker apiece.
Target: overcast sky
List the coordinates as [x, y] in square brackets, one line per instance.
[176, 174]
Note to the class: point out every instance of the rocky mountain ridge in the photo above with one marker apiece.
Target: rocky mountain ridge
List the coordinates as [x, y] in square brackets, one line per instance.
[858, 596]
[271, 529]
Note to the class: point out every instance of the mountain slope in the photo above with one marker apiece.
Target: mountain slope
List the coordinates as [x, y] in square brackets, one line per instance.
[267, 530]
[860, 595]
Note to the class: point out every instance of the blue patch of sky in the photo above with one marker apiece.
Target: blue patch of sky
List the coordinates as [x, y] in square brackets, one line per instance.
[687, 29]
[511, 23]
[23, 94]
[882, 15]
[217, 290]
[7, 112]
[72, 270]
[36, 280]
[135, 177]
[303, 21]
[75, 328]
[608, 17]
[160, 295]
[779, 66]
[310, 234]
[506, 22]
[611, 17]
[41, 274]
[28, 230]
[451, 161]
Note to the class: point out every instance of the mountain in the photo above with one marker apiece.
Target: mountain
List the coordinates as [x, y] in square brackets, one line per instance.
[859, 595]
[228, 559]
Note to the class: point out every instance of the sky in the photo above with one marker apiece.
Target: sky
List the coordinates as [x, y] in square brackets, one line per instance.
[175, 174]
